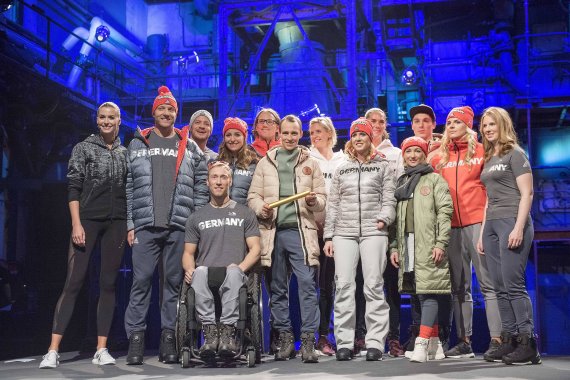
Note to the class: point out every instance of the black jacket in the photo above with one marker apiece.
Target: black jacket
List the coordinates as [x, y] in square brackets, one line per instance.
[97, 179]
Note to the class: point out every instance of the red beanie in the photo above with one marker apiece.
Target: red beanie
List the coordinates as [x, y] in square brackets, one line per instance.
[465, 114]
[361, 125]
[415, 141]
[235, 123]
[164, 97]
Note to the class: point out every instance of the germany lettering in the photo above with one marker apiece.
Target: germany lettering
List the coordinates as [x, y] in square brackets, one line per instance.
[213, 223]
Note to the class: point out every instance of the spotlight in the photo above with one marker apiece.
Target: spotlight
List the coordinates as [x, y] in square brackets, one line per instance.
[409, 76]
[309, 113]
[5, 5]
[102, 33]
[185, 61]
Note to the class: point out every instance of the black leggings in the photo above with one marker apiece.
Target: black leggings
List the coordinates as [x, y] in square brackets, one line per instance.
[112, 235]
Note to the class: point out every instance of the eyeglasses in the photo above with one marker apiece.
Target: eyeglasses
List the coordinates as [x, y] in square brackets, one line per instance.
[266, 121]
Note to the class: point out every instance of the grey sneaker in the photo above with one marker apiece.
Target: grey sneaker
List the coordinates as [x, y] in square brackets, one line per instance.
[50, 360]
[103, 357]
[461, 350]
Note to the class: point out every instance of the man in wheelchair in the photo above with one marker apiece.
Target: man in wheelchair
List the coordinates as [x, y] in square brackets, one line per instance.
[222, 240]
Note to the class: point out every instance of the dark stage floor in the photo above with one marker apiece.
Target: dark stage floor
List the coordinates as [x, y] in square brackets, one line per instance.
[80, 367]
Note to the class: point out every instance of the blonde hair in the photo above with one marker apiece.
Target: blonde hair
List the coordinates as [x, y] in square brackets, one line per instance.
[443, 150]
[327, 124]
[385, 135]
[507, 135]
[110, 105]
[273, 113]
[351, 152]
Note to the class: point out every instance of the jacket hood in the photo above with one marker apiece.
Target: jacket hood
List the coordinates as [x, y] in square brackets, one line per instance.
[337, 156]
[142, 134]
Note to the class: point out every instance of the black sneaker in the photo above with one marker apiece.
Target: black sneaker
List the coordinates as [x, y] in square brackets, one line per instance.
[167, 349]
[344, 354]
[492, 350]
[228, 346]
[135, 355]
[525, 353]
[308, 353]
[373, 354]
[507, 345]
[461, 350]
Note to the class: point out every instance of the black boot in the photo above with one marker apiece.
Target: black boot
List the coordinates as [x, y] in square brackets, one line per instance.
[286, 346]
[211, 341]
[444, 333]
[308, 353]
[508, 345]
[525, 353]
[167, 349]
[135, 355]
[228, 346]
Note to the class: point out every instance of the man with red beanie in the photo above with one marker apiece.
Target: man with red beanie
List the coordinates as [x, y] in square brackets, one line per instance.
[423, 124]
[161, 184]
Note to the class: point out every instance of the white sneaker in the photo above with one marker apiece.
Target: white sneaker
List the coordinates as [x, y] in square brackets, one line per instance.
[435, 349]
[408, 354]
[420, 354]
[50, 360]
[103, 357]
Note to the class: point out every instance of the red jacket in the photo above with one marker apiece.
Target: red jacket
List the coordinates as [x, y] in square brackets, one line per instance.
[261, 146]
[467, 190]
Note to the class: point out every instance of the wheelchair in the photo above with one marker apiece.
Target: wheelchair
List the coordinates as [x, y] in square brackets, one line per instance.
[249, 329]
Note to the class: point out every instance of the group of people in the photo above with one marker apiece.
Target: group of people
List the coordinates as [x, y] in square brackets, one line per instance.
[373, 222]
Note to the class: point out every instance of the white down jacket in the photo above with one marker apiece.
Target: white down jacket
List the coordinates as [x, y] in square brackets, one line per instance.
[361, 195]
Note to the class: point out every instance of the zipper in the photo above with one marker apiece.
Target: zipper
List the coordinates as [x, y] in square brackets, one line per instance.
[301, 234]
[359, 202]
[457, 182]
[112, 177]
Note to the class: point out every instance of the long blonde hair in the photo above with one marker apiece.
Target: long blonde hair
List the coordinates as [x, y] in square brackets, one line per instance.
[443, 150]
[351, 152]
[507, 135]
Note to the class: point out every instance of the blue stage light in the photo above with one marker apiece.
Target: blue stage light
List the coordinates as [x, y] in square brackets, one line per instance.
[102, 33]
[409, 76]
[6, 5]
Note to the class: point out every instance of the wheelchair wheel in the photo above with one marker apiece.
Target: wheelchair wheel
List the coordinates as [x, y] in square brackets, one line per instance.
[185, 358]
[182, 318]
[255, 317]
[251, 360]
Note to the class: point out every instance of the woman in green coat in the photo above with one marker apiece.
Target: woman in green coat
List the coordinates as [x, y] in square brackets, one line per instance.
[423, 222]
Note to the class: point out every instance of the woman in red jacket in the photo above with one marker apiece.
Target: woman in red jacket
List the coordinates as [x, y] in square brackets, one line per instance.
[460, 161]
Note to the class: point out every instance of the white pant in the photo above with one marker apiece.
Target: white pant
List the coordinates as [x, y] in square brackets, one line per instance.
[372, 251]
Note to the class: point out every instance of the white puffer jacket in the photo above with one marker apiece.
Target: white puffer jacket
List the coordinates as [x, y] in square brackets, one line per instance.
[361, 195]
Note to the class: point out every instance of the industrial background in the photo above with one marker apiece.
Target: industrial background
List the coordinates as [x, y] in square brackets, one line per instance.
[61, 58]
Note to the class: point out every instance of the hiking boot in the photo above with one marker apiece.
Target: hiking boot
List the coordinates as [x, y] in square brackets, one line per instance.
[135, 355]
[525, 353]
[344, 354]
[286, 346]
[395, 348]
[211, 341]
[435, 349]
[420, 353]
[274, 342]
[373, 355]
[461, 350]
[50, 360]
[308, 353]
[228, 346]
[167, 349]
[324, 346]
[359, 345]
[103, 357]
[508, 345]
[489, 355]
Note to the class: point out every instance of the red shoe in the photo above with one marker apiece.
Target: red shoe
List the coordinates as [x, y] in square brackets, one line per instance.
[359, 345]
[395, 349]
[325, 346]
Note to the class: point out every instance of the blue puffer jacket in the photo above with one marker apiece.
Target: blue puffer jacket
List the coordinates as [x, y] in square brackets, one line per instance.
[201, 194]
[140, 211]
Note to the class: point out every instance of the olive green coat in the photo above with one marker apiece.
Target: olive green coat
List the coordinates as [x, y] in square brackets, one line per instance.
[433, 209]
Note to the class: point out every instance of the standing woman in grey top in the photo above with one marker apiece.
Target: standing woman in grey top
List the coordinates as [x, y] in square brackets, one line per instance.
[98, 207]
[507, 235]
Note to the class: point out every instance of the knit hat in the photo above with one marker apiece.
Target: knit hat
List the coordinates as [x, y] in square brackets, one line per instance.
[235, 123]
[164, 97]
[361, 125]
[465, 114]
[415, 141]
[202, 113]
[422, 108]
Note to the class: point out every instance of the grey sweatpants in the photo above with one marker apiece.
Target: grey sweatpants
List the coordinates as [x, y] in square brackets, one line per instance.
[372, 251]
[151, 244]
[229, 294]
[462, 251]
[507, 268]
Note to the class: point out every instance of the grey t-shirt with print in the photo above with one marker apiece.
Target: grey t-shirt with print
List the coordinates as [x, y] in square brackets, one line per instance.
[499, 176]
[163, 154]
[220, 233]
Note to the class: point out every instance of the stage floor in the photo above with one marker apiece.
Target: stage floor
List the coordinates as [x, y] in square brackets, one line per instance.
[73, 366]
